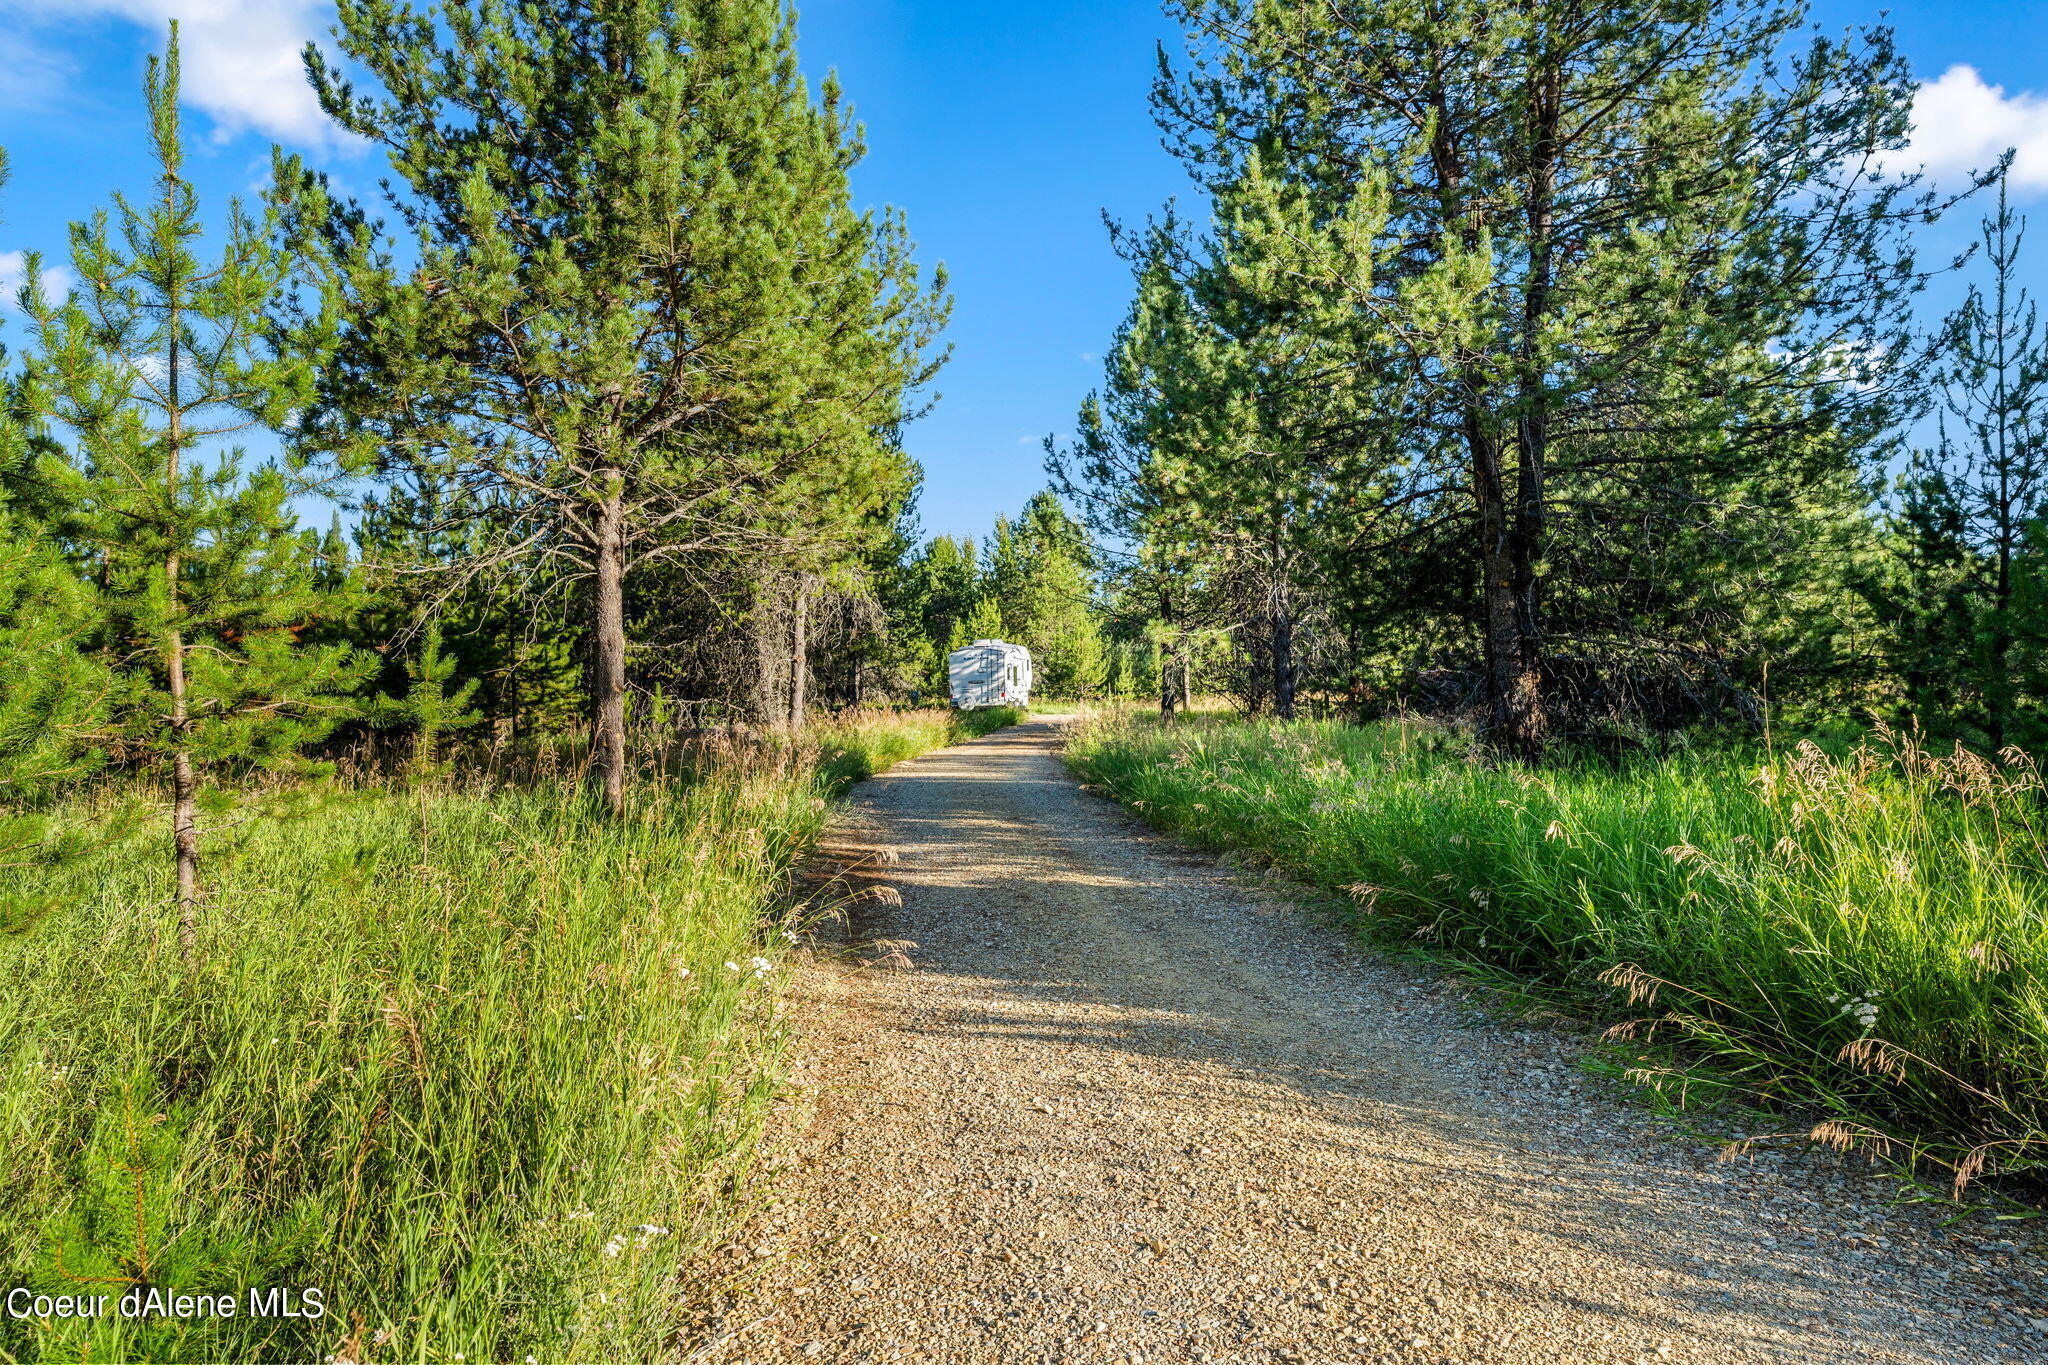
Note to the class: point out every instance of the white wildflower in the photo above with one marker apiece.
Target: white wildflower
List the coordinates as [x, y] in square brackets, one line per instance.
[616, 1245]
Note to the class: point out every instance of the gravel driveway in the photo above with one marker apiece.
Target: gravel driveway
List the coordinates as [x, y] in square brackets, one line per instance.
[1126, 1106]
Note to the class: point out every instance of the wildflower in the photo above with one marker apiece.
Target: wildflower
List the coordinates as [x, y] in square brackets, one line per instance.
[1862, 1009]
[732, 966]
[683, 973]
[616, 1245]
[761, 965]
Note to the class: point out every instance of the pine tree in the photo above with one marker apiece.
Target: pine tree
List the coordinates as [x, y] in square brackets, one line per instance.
[1993, 375]
[52, 697]
[983, 621]
[937, 587]
[643, 316]
[1613, 263]
[137, 383]
[1926, 599]
[53, 700]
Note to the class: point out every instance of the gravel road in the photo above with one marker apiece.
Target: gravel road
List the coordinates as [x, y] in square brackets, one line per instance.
[1126, 1105]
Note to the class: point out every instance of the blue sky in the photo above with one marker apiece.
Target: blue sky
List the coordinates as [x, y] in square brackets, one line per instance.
[1004, 131]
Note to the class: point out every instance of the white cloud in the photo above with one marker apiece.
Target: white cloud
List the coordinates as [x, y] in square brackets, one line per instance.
[241, 57]
[1961, 124]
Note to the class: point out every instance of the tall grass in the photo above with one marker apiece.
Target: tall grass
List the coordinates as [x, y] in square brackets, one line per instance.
[477, 1063]
[1866, 936]
[860, 744]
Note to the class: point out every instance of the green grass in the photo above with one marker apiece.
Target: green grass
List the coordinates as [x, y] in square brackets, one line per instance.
[859, 745]
[481, 1065]
[1864, 936]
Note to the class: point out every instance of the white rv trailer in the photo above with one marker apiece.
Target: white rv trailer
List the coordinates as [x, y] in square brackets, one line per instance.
[990, 673]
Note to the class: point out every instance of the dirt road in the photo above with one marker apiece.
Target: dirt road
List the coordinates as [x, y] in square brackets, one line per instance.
[1125, 1106]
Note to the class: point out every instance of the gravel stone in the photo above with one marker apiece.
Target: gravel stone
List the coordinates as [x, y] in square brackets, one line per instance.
[1124, 1105]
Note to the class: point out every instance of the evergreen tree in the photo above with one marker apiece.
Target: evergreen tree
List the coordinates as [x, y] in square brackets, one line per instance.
[644, 321]
[52, 697]
[1059, 626]
[1927, 600]
[136, 383]
[1041, 584]
[1993, 375]
[937, 588]
[983, 621]
[1595, 267]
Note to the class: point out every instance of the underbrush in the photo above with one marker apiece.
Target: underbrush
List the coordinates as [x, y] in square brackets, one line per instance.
[474, 1062]
[1864, 936]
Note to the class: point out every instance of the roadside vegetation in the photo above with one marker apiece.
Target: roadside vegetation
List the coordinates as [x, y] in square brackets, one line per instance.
[378, 926]
[475, 1061]
[860, 744]
[1861, 936]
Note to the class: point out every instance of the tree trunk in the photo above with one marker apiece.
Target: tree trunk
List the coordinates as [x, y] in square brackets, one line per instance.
[1506, 694]
[184, 791]
[184, 780]
[1283, 644]
[1187, 680]
[1528, 730]
[799, 657]
[608, 664]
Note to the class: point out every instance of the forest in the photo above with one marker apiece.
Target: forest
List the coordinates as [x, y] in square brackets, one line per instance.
[436, 624]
